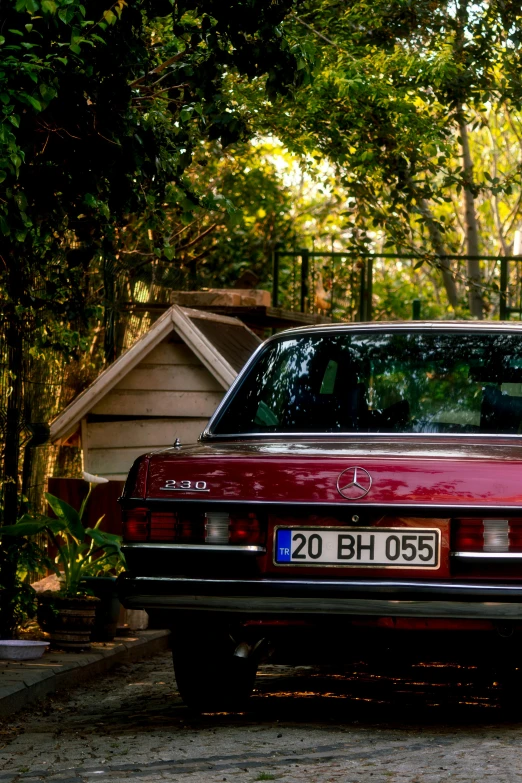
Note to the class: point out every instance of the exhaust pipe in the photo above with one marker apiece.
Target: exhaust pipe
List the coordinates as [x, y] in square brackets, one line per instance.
[505, 630]
[245, 650]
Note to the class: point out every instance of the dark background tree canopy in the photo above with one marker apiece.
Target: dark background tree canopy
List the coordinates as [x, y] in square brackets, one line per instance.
[103, 106]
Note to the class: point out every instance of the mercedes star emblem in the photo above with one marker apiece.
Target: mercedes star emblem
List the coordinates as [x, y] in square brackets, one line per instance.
[354, 483]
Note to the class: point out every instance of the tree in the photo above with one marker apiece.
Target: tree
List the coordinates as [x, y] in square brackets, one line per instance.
[396, 90]
[102, 109]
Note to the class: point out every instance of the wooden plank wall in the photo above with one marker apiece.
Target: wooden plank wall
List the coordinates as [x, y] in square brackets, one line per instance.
[167, 396]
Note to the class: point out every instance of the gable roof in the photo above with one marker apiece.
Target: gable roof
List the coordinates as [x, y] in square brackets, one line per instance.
[222, 344]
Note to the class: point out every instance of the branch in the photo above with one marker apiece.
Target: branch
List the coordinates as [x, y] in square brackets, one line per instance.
[197, 239]
[155, 94]
[315, 32]
[162, 66]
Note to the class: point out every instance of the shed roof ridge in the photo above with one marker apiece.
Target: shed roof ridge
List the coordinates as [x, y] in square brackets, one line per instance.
[175, 318]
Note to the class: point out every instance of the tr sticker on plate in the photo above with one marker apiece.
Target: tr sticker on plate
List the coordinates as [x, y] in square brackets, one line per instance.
[363, 546]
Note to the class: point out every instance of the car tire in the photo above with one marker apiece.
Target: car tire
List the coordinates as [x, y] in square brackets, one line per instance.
[210, 678]
[510, 699]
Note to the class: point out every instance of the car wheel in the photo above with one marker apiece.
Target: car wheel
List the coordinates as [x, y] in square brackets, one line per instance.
[210, 678]
[510, 697]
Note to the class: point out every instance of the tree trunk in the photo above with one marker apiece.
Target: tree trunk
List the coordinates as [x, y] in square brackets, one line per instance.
[13, 422]
[443, 260]
[476, 303]
[10, 467]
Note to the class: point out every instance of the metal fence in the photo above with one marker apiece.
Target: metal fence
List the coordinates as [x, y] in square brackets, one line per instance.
[349, 277]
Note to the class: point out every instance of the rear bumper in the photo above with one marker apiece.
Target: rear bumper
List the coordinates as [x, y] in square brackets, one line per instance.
[276, 597]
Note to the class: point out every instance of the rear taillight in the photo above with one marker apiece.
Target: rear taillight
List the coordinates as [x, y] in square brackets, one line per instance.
[469, 535]
[163, 525]
[224, 528]
[190, 529]
[211, 527]
[217, 524]
[515, 535]
[136, 524]
[245, 530]
[496, 535]
[487, 535]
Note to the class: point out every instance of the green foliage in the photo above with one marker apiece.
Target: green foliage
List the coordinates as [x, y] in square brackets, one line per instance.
[102, 106]
[394, 88]
[102, 111]
[81, 551]
[26, 557]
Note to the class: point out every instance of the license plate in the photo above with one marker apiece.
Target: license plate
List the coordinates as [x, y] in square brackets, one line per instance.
[361, 546]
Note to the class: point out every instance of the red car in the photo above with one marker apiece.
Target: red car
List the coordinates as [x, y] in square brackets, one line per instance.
[359, 485]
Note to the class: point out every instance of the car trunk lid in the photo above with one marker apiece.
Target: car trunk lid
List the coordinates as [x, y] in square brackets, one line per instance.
[389, 472]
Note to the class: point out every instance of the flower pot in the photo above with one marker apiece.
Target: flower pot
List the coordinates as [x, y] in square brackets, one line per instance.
[22, 649]
[107, 610]
[68, 619]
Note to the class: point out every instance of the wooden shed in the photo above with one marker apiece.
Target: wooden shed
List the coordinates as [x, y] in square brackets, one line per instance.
[165, 387]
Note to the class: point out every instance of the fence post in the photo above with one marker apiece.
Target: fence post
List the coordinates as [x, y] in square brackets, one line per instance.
[275, 277]
[369, 291]
[305, 268]
[362, 293]
[503, 313]
[416, 310]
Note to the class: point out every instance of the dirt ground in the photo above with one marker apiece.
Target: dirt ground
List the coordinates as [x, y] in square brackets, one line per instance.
[356, 725]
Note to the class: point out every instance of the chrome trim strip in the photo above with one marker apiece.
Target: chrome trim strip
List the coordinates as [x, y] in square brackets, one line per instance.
[256, 550]
[381, 435]
[339, 504]
[321, 606]
[359, 584]
[401, 326]
[487, 555]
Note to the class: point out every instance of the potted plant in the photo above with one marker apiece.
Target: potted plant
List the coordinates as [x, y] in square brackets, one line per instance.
[101, 582]
[69, 614]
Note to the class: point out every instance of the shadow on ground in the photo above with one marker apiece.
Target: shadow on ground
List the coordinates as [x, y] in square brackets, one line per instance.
[442, 694]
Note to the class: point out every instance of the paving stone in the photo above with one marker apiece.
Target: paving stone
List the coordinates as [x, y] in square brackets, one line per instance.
[130, 725]
[8, 689]
[24, 682]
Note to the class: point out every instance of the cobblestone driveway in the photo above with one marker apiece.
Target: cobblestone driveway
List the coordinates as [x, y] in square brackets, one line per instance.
[356, 726]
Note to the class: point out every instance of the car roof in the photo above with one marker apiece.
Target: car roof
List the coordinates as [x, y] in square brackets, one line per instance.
[411, 326]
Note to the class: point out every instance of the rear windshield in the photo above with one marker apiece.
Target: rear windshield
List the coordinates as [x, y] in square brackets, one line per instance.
[389, 382]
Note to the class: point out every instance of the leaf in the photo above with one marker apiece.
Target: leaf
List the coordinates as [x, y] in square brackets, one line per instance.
[104, 539]
[107, 541]
[67, 513]
[14, 119]
[4, 226]
[419, 264]
[26, 526]
[49, 6]
[47, 92]
[31, 100]
[109, 17]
